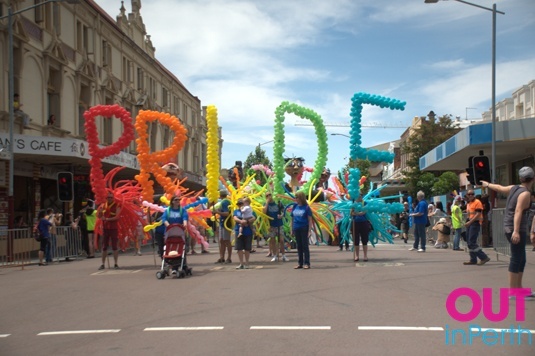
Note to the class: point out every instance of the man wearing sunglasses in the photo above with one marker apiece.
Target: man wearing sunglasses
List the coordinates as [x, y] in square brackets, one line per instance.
[474, 209]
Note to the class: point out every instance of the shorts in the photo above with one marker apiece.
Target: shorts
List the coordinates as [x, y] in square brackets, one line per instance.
[405, 227]
[274, 231]
[224, 234]
[244, 243]
[43, 243]
[110, 234]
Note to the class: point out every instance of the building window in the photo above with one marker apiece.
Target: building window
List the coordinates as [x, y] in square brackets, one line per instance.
[153, 135]
[165, 97]
[106, 54]
[140, 79]
[107, 133]
[127, 70]
[176, 106]
[83, 38]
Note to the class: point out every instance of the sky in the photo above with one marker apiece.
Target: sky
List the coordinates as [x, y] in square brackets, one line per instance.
[247, 57]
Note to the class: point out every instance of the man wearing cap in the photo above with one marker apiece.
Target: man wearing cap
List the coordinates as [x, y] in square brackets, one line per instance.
[457, 222]
[474, 210]
[515, 222]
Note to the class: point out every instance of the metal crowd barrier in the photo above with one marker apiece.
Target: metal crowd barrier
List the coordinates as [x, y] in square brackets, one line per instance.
[500, 243]
[18, 248]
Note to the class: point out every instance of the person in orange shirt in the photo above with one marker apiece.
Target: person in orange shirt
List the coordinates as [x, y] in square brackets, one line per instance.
[474, 210]
[109, 212]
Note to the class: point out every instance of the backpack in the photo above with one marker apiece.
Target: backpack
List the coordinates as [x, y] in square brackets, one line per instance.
[446, 230]
[36, 234]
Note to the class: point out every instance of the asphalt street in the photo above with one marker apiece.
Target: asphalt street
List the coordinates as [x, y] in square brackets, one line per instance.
[394, 304]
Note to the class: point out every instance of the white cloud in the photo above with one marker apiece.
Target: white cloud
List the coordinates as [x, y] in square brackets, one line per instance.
[246, 57]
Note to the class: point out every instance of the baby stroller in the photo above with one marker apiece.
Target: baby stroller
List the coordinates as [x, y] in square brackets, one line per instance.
[174, 253]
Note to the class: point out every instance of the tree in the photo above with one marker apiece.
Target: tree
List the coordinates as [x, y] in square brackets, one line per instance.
[364, 167]
[426, 183]
[446, 183]
[431, 133]
[257, 157]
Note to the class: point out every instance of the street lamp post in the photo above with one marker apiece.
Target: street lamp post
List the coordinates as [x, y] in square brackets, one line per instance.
[11, 92]
[493, 109]
[265, 143]
[339, 134]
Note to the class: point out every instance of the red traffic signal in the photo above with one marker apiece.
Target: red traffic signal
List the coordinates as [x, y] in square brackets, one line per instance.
[481, 167]
[65, 186]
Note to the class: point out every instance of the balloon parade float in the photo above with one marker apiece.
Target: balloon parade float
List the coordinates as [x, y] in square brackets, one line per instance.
[329, 202]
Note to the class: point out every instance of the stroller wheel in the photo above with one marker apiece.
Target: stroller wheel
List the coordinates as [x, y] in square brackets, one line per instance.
[181, 274]
[160, 275]
[189, 271]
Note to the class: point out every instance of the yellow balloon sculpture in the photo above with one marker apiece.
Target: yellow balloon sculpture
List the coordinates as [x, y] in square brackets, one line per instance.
[212, 155]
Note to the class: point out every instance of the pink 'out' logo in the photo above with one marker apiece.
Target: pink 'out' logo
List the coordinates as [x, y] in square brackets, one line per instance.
[485, 303]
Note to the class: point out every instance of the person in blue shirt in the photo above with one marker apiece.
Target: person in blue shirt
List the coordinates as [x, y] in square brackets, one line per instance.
[43, 226]
[175, 214]
[420, 220]
[360, 228]
[274, 211]
[223, 209]
[244, 242]
[301, 228]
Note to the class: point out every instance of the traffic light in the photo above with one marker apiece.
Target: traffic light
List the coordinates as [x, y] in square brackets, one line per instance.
[470, 171]
[481, 167]
[65, 186]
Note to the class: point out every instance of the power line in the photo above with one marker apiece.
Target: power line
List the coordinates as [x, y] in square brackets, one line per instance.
[377, 125]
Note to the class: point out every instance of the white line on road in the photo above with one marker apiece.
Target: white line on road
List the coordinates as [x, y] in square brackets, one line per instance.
[181, 328]
[79, 332]
[290, 328]
[404, 328]
[4, 335]
[513, 331]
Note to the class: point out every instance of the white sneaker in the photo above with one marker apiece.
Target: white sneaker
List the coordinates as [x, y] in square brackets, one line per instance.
[274, 259]
[421, 250]
[174, 272]
[285, 259]
[412, 249]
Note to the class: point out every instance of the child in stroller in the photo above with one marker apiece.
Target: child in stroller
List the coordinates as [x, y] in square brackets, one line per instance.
[174, 254]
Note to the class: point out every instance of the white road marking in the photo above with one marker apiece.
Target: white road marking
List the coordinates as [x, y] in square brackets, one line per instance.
[290, 328]
[79, 332]
[514, 331]
[182, 328]
[403, 328]
[4, 335]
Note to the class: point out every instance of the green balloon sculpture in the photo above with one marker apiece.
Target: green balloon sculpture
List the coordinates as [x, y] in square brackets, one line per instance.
[278, 149]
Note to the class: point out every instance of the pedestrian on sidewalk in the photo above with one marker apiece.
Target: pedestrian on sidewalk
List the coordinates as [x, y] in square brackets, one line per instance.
[405, 226]
[516, 229]
[420, 222]
[457, 222]
[474, 210]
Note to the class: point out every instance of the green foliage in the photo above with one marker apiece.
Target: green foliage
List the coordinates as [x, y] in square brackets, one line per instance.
[257, 157]
[446, 183]
[425, 138]
[364, 167]
[426, 183]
